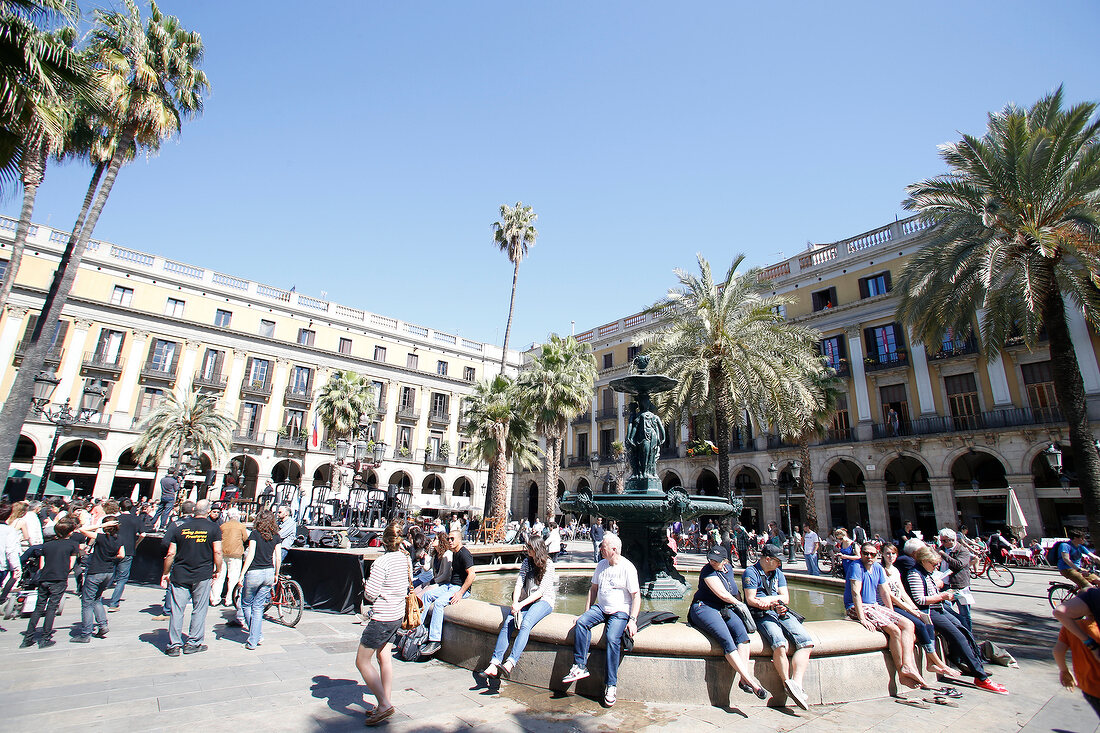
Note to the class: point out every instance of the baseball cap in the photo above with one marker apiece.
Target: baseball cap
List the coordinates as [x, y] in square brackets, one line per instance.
[717, 554]
[773, 552]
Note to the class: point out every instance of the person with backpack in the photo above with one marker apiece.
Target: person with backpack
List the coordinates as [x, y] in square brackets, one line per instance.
[389, 582]
[1067, 555]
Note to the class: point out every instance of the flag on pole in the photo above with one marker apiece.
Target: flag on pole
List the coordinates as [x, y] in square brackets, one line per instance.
[315, 434]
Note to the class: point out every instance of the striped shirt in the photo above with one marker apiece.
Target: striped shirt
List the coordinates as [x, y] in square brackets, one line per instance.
[388, 585]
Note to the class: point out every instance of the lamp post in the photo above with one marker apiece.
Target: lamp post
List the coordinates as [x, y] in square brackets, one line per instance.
[62, 416]
[361, 450]
[796, 473]
[609, 476]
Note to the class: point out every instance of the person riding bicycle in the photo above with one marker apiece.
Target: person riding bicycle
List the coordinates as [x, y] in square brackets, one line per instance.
[1069, 560]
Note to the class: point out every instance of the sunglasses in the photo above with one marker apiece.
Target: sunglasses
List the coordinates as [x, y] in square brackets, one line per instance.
[869, 554]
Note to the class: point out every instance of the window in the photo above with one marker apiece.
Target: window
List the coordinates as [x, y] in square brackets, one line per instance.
[962, 397]
[1039, 384]
[608, 360]
[293, 420]
[345, 346]
[3, 268]
[824, 299]
[249, 420]
[582, 445]
[305, 337]
[841, 428]
[780, 310]
[408, 398]
[404, 438]
[257, 372]
[469, 374]
[608, 401]
[59, 331]
[300, 380]
[212, 364]
[162, 356]
[150, 398]
[379, 353]
[109, 348]
[878, 284]
[440, 403]
[122, 296]
[435, 439]
[412, 361]
[379, 394]
[834, 351]
[267, 328]
[884, 343]
[632, 351]
[375, 431]
[222, 318]
[607, 437]
[174, 308]
[441, 368]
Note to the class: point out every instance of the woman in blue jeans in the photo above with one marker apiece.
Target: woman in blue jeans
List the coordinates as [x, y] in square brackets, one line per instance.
[711, 614]
[261, 566]
[532, 601]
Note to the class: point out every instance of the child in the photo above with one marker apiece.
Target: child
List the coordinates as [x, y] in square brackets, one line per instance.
[56, 559]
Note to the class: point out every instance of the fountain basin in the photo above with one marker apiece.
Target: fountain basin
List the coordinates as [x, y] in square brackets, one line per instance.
[674, 663]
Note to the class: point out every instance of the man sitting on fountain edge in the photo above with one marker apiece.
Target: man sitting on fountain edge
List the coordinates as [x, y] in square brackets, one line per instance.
[615, 598]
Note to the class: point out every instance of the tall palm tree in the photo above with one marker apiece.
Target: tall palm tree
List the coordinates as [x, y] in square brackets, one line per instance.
[812, 421]
[1017, 241]
[555, 388]
[515, 233]
[343, 401]
[154, 81]
[177, 425]
[731, 353]
[499, 431]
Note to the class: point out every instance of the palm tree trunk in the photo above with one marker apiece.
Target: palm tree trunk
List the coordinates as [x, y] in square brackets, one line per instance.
[722, 411]
[552, 464]
[1070, 389]
[807, 482]
[21, 395]
[498, 508]
[508, 326]
[34, 170]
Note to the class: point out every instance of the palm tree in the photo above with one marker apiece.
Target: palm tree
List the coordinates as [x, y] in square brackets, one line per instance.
[731, 353]
[343, 401]
[813, 421]
[154, 81]
[514, 234]
[555, 388]
[1017, 236]
[178, 425]
[499, 431]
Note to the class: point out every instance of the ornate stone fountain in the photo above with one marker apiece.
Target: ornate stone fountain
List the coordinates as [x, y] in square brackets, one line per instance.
[645, 509]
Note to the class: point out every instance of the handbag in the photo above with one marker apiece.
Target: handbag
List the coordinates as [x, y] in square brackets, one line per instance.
[738, 606]
[413, 604]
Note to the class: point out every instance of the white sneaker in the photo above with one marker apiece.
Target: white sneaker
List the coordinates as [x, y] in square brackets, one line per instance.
[576, 672]
[797, 694]
[609, 695]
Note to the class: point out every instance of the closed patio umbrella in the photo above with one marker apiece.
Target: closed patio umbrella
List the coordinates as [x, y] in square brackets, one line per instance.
[1016, 520]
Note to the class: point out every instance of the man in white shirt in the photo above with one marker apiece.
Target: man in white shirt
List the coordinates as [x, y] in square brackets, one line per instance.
[811, 543]
[614, 598]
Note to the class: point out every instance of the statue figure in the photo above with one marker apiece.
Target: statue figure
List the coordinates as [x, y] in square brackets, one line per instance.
[644, 436]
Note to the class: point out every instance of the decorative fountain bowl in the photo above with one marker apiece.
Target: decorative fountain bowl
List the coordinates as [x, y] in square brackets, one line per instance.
[646, 508]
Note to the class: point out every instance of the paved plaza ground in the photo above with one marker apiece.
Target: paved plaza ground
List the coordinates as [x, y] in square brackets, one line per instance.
[304, 679]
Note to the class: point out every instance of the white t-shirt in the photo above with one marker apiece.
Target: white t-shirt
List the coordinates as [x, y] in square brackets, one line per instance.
[553, 541]
[809, 541]
[616, 584]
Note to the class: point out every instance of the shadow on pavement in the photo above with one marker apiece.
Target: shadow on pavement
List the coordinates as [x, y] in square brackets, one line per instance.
[339, 694]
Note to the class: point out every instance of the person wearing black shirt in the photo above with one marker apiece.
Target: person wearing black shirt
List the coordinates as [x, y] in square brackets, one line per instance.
[56, 560]
[129, 525]
[462, 577]
[261, 566]
[106, 552]
[194, 556]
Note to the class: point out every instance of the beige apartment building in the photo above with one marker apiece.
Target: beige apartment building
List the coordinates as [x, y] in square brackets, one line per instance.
[932, 433]
[143, 326]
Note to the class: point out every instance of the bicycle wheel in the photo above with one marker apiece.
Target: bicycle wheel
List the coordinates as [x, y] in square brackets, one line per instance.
[1059, 593]
[1000, 576]
[288, 611]
[825, 564]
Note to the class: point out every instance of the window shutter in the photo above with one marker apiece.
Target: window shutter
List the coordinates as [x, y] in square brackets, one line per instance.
[32, 321]
[886, 277]
[869, 341]
[832, 297]
[864, 291]
[219, 359]
[899, 335]
[842, 347]
[248, 371]
[59, 334]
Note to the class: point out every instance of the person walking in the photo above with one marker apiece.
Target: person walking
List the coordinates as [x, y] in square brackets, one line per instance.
[532, 600]
[387, 585]
[597, 534]
[553, 540]
[258, 573]
[741, 542]
[129, 526]
[811, 543]
[106, 552]
[234, 539]
[56, 559]
[194, 556]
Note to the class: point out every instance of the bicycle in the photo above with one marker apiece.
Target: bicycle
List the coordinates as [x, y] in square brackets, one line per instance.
[995, 572]
[286, 599]
[1059, 592]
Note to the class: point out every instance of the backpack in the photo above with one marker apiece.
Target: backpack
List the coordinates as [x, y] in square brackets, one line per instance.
[410, 642]
[1054, 552]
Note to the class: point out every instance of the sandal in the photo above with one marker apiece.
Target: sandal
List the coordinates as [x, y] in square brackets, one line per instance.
[912, 703]
[950, 692]
[941, 700]
[760, 692]
[377, 716]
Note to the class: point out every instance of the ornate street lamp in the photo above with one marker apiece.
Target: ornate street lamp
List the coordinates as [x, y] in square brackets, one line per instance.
[609, 476]
[1053, 455]
[62, 416]
[796, 474]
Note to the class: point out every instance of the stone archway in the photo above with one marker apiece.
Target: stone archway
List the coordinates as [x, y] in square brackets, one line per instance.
[77, 461]
[286, 471]
[981, 491]
[532, 502]
[670, 480]
[909, 495]
[747, 485]
[847, 496]
[706, 484]
[248, 475]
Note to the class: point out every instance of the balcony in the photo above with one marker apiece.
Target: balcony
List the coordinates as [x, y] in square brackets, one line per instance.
[53, 355]
[410, 414]
[436, 459]
[291, 444]
[298, 396]
[441, 419]
[248, 439]
[778, 441]
[158, 372]
[884, 362]
[584, 418]
[256, 389]
[993, 420]
[380, 408]
[214, 383]
[839, 435]
[841, 368]
[611, 413]
[408, 455]
[577, 462]
[102, 364]
[958, 347]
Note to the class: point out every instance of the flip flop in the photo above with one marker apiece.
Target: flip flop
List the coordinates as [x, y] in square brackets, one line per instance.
[948, 692]
[912, 703]
[941, 700]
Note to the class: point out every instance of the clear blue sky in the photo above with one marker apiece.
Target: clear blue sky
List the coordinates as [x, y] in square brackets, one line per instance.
[364, 148]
